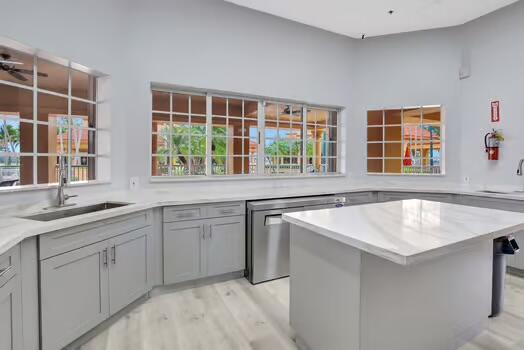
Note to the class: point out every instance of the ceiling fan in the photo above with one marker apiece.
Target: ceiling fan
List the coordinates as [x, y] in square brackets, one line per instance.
[9, 66]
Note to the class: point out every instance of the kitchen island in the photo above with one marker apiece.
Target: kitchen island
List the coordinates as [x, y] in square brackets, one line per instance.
[404, 275]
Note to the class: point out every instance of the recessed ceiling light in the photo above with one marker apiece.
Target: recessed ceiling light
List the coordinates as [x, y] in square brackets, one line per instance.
[391, 12]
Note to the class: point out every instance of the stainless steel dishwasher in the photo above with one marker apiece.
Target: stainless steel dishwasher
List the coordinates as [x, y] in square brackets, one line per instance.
[268, 235]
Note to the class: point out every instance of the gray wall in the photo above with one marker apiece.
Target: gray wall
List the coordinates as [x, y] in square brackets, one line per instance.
[217, 45]
[411, 69]
[87, 32]
[496, 46]
[423, 68]
[200, 43]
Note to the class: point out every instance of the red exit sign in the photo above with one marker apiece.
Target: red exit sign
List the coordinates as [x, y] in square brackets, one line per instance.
[495, 111]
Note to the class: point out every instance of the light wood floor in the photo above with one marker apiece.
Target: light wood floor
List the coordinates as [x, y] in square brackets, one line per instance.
[236, 315]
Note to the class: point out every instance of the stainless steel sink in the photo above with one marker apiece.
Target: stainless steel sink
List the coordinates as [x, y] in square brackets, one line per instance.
[66, 213]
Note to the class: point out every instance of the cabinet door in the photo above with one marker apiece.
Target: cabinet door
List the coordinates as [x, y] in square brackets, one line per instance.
[11, 315]
[128, 268]
[225, 245]
[74, 294]
[183, 251]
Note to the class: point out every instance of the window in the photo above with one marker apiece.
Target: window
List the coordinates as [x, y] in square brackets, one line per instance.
[217, 135]
[405, 141]
[47, 111]
[234, 144]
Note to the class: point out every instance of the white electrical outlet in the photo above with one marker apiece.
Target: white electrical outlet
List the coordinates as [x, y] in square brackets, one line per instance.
[134, 183]
[466, 179]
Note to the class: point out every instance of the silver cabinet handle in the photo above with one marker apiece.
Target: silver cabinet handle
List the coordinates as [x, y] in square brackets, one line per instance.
[113, 254]
[104, 257]
[203, 231]
[210, 232]
[227, 211]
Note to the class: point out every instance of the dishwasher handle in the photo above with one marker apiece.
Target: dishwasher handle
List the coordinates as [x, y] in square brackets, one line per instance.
[275, 219]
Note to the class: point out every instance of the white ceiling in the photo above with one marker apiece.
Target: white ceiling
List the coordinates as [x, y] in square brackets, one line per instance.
[370, 17]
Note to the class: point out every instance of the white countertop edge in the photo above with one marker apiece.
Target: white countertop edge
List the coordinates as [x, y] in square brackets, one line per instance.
[28, 228]
[400, 259]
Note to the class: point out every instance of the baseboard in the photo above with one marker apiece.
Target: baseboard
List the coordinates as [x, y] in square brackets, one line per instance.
[159, 290]
[514, 271]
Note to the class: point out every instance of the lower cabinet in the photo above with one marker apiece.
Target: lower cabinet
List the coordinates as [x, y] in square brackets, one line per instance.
[396, 196]
[203, 248]
[10, 302]
[183, 243]
[128, 269]
[225, 246]
[358, 198]
[517, 260]
[82, 288]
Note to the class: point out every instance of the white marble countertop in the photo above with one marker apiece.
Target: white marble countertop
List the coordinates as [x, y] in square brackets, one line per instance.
[409, 231]
[14, 229]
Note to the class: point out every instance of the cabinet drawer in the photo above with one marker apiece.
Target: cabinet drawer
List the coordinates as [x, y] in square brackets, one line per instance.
[394, 196]
[226, 209]
[203, 211]
[361, 198]
[492, 203]
[9, 264]
[63, 241]
[181, 213]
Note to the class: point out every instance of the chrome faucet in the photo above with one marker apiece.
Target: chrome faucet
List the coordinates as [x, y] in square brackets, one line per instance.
[62, 182]
[519, 169]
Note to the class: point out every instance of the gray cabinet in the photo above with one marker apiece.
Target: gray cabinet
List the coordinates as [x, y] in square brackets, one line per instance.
[128, 268]
[81, 288]
[10, 301]
[203, 241]
[74, 294]
[203, 248]
[515, 261]
[225, 245]
[396, 196]
[357, 198]
[183, 243]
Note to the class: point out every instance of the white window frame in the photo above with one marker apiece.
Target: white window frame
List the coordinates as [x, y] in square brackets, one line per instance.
[261, 100]
[101, 155]
[442, 125]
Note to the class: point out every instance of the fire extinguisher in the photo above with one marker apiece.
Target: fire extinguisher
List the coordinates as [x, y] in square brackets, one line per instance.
[492, 144]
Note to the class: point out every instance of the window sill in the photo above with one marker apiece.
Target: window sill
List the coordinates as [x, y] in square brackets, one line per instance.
[240, 178]
[402, 175]
[43, 187]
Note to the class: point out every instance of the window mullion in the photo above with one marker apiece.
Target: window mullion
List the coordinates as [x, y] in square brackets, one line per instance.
[170, 140]
[35, 119]
[243, 140]
[403, 149]
[70, 129]
[304, 140]
[338, 158]
[209, 135]
[189, 160]
[226, 168]
[261, 156]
